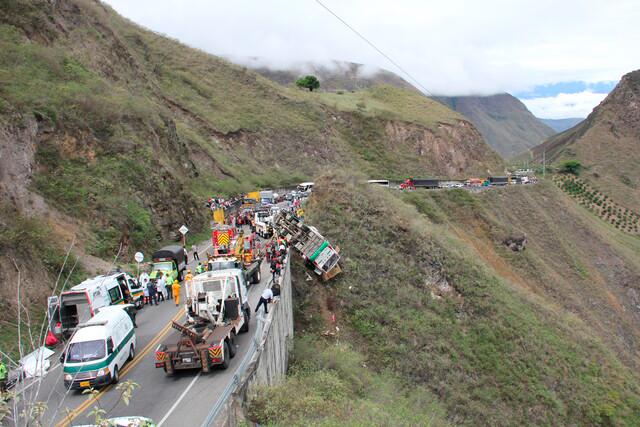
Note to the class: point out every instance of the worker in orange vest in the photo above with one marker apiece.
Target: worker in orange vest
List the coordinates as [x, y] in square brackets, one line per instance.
[175, 289]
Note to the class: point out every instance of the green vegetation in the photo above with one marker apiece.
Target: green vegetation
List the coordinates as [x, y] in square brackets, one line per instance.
[29, 245]
[417, 300]
[308, 82]
[572, 166]
[392, 103]
[329, 384]
[601, 205]
[140, 123]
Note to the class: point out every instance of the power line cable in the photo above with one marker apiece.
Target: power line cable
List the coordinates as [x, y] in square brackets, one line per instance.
[398, 66]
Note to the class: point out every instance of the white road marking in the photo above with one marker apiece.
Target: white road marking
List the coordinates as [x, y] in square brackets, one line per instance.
[177, 402]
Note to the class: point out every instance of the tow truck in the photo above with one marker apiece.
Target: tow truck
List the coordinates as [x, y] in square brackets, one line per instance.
[217, 309]
[311, 245]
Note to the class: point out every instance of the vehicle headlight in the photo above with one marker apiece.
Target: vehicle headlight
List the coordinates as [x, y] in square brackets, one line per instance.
[68, 377]
[102, 372]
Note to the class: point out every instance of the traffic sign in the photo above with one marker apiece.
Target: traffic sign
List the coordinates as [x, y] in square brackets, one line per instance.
[139, 257]
[184, 230]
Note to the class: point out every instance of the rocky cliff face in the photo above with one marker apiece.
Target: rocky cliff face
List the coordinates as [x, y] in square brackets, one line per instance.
[607, 143]
[450, 151]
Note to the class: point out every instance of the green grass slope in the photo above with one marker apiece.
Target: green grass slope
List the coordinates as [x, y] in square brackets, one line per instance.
[431, 294]
[133, 129]
[112, 136]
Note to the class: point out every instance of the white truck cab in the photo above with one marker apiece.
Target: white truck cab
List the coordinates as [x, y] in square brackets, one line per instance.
[207, 293]
[99, 349]
[264, 223]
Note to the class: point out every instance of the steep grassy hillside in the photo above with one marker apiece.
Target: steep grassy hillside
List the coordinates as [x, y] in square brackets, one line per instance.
[112, 136]
[330, 384]
[129, 128]
[607, 143]
[546, 336]
[504, 122]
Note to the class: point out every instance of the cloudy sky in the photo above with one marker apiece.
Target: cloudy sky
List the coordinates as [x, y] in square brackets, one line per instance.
[559, 57]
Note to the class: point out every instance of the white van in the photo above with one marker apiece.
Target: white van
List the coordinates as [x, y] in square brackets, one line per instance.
[99, 349]
[81, 302]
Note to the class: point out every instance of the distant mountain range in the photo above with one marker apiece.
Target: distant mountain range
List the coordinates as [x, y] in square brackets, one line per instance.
[505, 123]
[560, 125]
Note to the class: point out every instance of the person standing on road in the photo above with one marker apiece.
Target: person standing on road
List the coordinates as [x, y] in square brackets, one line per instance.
[199, 268]
[186, 255]
[153, 293]
[3, 376]
[266, 297]
[144, 283]
[160, 286]
[168, 288]
[194, 249]
[145, 292]
[274, 266]
[175, 288]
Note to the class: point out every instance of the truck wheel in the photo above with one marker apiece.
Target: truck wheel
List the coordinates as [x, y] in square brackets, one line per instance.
[132, 353]
[245, 325]
[257, 277]
[225, 356]
[179, 275]
[169, 374]
[115, 377]
[232, 346]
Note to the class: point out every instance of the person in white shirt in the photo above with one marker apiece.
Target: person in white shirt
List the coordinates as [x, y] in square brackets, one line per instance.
[144, 283]
[267, 296]
[162, 290]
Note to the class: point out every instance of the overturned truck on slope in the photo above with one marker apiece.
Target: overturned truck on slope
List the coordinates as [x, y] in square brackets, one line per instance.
[311, 245]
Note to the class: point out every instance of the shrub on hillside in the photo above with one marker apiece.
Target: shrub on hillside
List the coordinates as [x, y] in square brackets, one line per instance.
[571, 166]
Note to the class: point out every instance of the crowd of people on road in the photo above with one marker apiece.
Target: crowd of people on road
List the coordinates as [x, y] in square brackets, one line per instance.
[159, 289]
[163, 287]
[217, 202]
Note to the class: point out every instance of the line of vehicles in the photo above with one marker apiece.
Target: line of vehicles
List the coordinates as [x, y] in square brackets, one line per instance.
[433, 183]
[94, 316]
[217, 300]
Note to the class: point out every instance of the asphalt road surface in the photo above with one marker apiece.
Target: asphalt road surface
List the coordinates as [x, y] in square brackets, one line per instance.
[184, 399]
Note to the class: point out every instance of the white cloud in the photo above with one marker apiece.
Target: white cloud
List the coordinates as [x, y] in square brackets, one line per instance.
[564, 105]
[453, 47]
